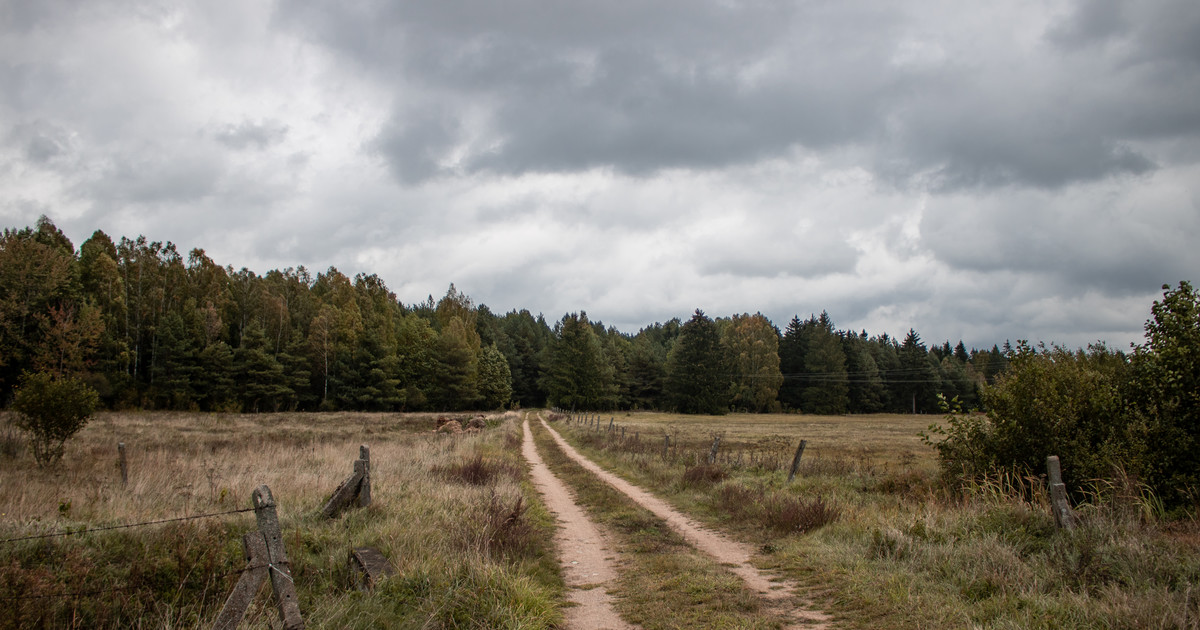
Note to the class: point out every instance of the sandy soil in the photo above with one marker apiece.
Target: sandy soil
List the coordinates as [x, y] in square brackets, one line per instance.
[735, 555]
[586, 556]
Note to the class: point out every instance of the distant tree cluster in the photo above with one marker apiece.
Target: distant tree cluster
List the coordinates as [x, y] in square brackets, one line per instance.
[148, 328]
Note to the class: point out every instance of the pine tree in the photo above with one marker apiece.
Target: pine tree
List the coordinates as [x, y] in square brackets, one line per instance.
[697, 374]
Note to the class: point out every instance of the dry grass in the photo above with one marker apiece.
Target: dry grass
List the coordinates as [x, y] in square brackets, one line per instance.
[889, 546]
[444, 535]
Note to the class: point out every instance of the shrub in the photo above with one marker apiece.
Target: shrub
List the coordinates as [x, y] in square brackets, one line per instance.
[703, 474]
[1052, 401]
[52, 410]
[479, 471]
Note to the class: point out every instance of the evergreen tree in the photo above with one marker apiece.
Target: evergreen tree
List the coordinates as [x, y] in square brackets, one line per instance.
[827, 391]
[917, 380]
[647, 373]
[495, 379]
[261, 383]
[577, 374]
[697, 374]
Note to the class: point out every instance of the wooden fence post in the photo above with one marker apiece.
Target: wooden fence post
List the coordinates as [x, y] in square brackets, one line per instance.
[796, 460]
[666, 445]
[280, 570]
[1059, 504]
[254, 547]
[124, 465]
[364, 487]
[712, 453]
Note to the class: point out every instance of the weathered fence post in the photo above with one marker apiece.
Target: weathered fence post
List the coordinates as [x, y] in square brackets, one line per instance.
[1063, 515]
[364, 462]
[356, 487]
[124, 465]
[796, 460]
[712, 454]
[254, 547]
[280, 569]
[611, 420]
[622, 434]
[666, 445]
[265, 558]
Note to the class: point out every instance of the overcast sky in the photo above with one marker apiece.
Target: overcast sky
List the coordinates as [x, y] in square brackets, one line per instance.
[975, 170]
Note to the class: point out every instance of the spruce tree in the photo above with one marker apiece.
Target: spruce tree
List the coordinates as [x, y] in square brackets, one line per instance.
[697, 377]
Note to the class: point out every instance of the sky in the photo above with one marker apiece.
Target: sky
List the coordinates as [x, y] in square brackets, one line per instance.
[976, 171]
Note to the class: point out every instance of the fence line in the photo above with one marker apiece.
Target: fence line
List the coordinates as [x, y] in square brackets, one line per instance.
[126, 526]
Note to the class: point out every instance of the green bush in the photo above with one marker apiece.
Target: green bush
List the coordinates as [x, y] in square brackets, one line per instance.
[52, 410]
[1098, 410]
[1052, 401]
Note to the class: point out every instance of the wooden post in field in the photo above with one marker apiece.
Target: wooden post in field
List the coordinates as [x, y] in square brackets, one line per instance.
[124, 465]
[1063, 515]
[254, 547]
[355, 489]
[712, 454]
[265, 558]
[666, 445]
[796, 460]
[611, 420]
[364, 463]
[622, 434]
[280, 570]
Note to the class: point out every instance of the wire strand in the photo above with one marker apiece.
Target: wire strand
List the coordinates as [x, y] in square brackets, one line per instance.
[125, 526]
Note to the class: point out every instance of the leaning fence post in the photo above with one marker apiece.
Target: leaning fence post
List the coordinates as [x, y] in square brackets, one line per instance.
[254, 547]
[712, 454]
[280, 568]
[1063, 516]
[124, 465]
[796, 460]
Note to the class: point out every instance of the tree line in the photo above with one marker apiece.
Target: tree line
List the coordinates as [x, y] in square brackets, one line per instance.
[147, 327]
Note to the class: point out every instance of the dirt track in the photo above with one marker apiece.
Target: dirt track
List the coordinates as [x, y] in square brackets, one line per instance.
[779, 593]
[585, 554]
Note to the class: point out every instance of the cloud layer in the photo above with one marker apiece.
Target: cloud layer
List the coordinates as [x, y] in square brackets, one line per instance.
[1024, 170]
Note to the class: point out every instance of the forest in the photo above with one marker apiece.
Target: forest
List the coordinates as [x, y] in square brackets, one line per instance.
[147, 327]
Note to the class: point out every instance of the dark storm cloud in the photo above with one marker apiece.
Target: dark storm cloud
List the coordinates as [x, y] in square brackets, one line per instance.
[642, 87]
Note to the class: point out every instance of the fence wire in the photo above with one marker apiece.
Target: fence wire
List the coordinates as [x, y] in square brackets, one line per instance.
[125, 526]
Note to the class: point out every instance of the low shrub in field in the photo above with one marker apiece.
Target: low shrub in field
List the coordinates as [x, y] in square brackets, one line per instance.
[506, 530]
[791, 514]
[478, 471]
[782, 512]
[704, 474]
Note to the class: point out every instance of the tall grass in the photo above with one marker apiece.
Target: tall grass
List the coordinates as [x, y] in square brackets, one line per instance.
[892, 546]
[481, 549]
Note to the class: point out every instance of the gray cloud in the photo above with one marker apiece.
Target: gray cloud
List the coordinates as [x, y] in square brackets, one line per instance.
[984, 172]
[248, 134]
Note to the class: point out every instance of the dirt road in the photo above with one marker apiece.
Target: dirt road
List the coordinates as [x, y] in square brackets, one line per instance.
[586, 556]
[736, 555]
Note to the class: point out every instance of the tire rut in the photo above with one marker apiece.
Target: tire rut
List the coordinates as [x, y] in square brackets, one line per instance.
[583, 550]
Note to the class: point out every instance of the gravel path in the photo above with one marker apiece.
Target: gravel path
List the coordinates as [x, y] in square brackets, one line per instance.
[586, 556]
[735, 555]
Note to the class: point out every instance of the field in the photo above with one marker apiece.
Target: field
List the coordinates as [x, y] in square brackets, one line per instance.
[469, 549]
[877, 540]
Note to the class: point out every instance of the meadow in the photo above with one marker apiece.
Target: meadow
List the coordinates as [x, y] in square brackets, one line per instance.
[868, 527]
[450, 512]
[883, 542]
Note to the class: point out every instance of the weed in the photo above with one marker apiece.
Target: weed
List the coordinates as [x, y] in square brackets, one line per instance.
[479, 471]
[704, 474]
